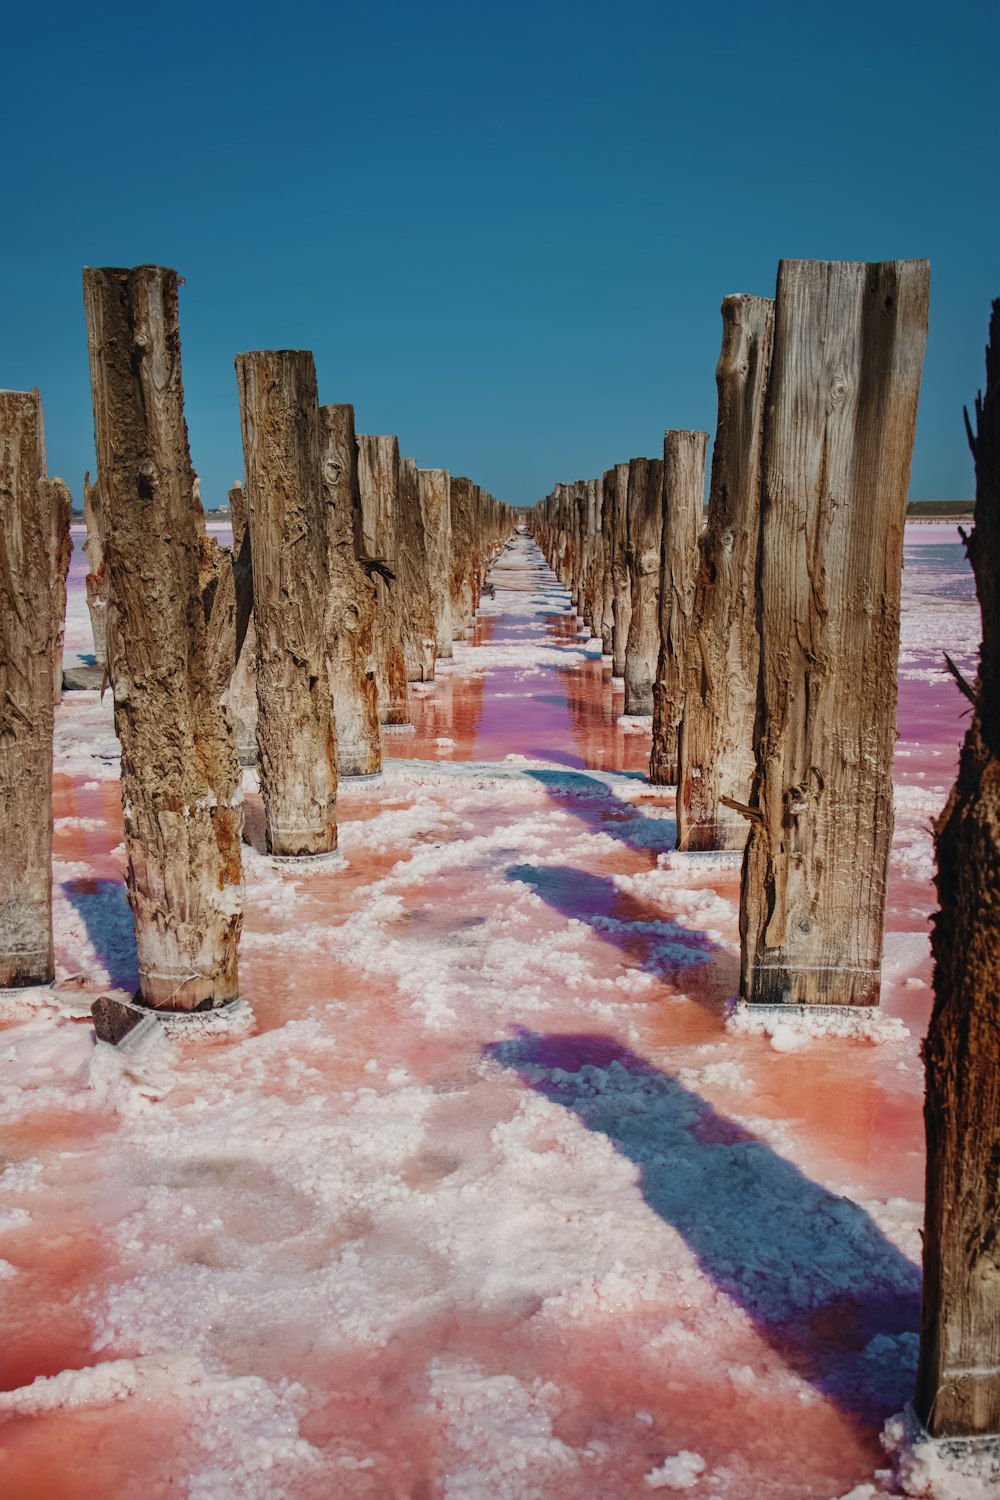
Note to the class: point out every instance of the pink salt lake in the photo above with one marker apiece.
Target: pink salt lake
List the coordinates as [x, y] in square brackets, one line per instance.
[490, 1203]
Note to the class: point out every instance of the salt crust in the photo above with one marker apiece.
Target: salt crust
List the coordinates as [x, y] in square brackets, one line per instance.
[793, 1026]
[940, 1468]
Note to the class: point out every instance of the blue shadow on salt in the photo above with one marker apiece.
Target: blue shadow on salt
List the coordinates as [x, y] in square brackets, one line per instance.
[837, 1301]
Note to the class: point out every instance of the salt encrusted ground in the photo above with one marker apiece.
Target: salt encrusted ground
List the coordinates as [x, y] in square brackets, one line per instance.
[491, 1203]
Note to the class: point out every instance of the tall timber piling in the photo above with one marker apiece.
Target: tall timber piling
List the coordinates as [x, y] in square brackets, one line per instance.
[848, 351]
[645, 523]
[958, 1381]
[683, 501]
[27, 636]
[378, 475]
[715, 738]
[435, 511]
[296, 735]
[351, 604]
[419, 636]
[180, 778]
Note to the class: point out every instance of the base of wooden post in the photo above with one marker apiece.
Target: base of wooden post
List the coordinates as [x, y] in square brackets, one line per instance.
[364, 778]
[959, 1466]
[791, 1026]
[118, 1020]
[398, 728]
[331, 859]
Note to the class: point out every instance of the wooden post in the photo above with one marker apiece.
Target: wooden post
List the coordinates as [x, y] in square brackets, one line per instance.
[60, 509]
[715, 740]
[842, 404]
[27, 633]
[378, 478]
[621, 574]
[958, 1381]
[180, 781]
[435, 508]
[683, 502]
[96, 581]
[350, 619]
[462, 608]
[296, 738]
[645, 520]
[419, 638]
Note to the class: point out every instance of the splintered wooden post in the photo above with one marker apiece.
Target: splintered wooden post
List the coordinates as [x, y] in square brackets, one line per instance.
[645, 520]
[621, 575]
[958, 1380]
[419, 636]
[683, 501]
[378, 518]
[435, 509]
[27, 633]
[60, 508]
[462, 609]
[296, 737]
[180, 780]
[351, 605]
[841, 411]
[715, 740]
[96, 582]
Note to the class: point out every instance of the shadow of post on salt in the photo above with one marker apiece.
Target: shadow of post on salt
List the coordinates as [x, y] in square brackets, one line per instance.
[596, 804]
[820, 1281]
[103, 907]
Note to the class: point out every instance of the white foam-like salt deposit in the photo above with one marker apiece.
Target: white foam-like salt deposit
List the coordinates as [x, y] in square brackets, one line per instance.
[794, 1026]
[942, 1468]
[679, 1471]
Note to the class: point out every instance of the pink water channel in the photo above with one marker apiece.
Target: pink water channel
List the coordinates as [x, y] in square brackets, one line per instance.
[490, 1201]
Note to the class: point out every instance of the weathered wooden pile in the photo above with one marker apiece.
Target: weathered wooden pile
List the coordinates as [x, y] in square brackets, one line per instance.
[764, 647]
[351, 572]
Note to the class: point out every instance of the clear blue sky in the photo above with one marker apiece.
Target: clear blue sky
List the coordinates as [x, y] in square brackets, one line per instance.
[503, 229]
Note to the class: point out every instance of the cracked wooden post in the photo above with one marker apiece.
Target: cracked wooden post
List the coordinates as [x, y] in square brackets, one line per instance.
[378, 478]
[350, 621]
[621, 575]
[27, 634]
[296, 736]
[96, 582]
[645, 521]
[607, 584]
[958, 1380]
[419, 637]
[180, 780]
[435, 509]
[60, 508]
[462, 608]
[715, 740]
[841, 410]
[683, 502]
[239, 695]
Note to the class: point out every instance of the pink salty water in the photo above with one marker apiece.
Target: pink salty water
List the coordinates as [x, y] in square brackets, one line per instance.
[491, 1203]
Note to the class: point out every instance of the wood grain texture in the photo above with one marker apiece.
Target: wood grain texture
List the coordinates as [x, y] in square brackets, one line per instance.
[181, 790]
[378, 477]
[462, 557]
[958, 1381]
[645, 525]
[621, 572]
[27, 638]
[607, 585]
[296, 735]
[419, 636]
[841, 410]
[351, 607]
[715, 740]
[683, 502]
[96, 582]
[435, 510]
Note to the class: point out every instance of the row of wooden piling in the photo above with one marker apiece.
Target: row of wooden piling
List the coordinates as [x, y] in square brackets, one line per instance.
[764, 646]
[351, 573]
